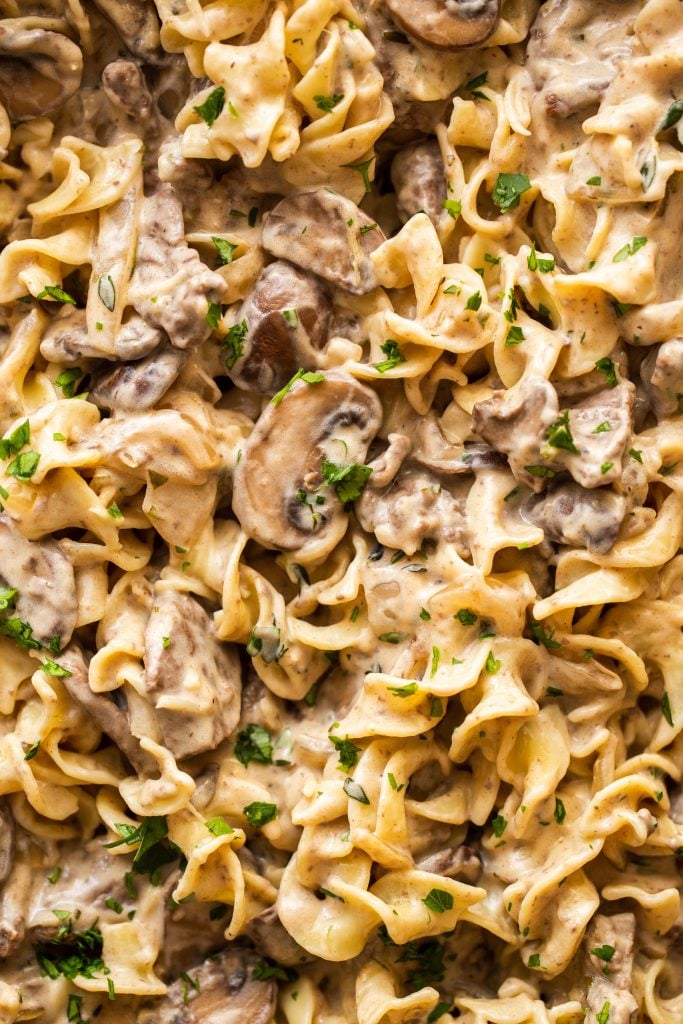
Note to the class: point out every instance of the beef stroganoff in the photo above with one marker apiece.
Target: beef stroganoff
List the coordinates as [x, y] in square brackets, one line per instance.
[341, 382]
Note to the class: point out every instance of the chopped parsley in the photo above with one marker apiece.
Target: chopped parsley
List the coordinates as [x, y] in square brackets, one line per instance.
[535, 262]
[213, 315]
[348, 752]
[666, 709]
[107, 292]
[364, 171]
[224, 251]
[515, 336]
[474, 301]
[560, 436]
[263, 971]
[307, 376]
[291, 317]
[560, 812]
[392, 637]
[57, 294]
[21, 632]
[438, 900]
[20, 436]
[51, 668]
[212, 106]
[508, 189]
[465, 617]
[219, 827]
[535, 960]
[473, 87]
[604, 952]
[595, 180]
[153, 848]
[453, 207]
[234, 343]
[541, 471]
[259, 814]
[254, 744]
[499, 824]
[543, 636]
[492, 664]
[114, 511]
[630, 249]
[672, 117]
[72, 954]
[393, 354]
[349, 481]
[403, 691]
[24, 466]
[603, 1016]
[32, 751]
[328, 103]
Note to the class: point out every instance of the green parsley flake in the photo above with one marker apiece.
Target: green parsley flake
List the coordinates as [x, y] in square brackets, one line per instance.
[107, 292]
[499, 824]
[474, 301]
[438, 900]
[535, 262]
[355, 792]
[24, 466]
[453, 207]
[348, 752]
[560, 436]
[349, 481]
[254, 744]
[328, 103]
[219, 827]
[508, 189]
[212, 106]
[364, 171]
[224, 251]
[20, 436]
[57, 294]
[307, 376]
[630, 249]
[51, 668]
[515, 336]
[259, 814]
[393, 354]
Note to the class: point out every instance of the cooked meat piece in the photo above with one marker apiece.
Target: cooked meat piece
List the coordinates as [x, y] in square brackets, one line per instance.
[419, 178]
[453, 862]
[662, 374]
[575, 49]
[614, 988]
[601, 427]
[570, 514]
[192, 678]
[171, 288]
[66, 339]
[516, 422]
[14, 897]
[103, 709]
[124, 84]
[44, 578]
[414, 507]
[449, 25]
[278, 480]
[272, 940]
[224, 992]
[322, 231]
[287, 315]
[139, 385]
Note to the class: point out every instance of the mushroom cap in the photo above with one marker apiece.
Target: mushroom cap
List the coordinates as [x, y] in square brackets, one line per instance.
[39, 70]
[275, 346]
[334, 419]
[138, 385]
[325, 232]
[447, 24]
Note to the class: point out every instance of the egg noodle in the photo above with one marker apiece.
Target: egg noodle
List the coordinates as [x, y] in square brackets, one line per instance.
[341, 602]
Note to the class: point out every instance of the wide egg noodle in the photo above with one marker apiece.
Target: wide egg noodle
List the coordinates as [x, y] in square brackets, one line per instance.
[374, 715]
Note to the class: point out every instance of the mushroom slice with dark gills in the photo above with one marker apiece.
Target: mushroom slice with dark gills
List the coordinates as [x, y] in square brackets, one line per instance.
[223, 990]
[419, 178]
[43, 577]
[192, 678]
[322, 231]
[446, 23]
[304, 461]
[284, 322]
[139, 385]
[39, 70]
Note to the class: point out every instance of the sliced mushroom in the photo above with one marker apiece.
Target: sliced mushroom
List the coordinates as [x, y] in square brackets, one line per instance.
[287, 315]
[66, 339]
[453, 862]
[103, 709]
[419, 178]
[171, 288]
[44, 578]
[447, 24]
[223, 991]
[322, 231]
[272, 939]
[139, 385]
[6, 842]
[138, 25]
[39, 70]
[124, 84]
[414, 507]
[279, 495]
[570, 514]
[193, 679]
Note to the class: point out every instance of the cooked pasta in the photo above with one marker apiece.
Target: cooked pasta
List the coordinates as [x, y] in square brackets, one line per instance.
[341, 602]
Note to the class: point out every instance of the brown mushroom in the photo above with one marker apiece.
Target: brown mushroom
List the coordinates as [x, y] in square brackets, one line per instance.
[124, 84]
[138, 25]
[44, 578]
[223, 990]
[39, 70]
[139, 385]
[66, 339]
[448, 24]
[193, 679]
[279, 494]
[285, 316]
[322, 231]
